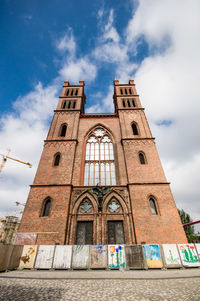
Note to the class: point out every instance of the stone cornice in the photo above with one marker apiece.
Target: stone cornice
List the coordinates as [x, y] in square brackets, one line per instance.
[50, 185]
[99, 115]
[138, 138]
[131, 109]
[149, 183]
[61, 140]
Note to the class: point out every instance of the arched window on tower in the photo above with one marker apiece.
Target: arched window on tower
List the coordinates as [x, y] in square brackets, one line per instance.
[56, 159]
[46, 208]
[134, 128]
[153, 206]
[63, 130]
[99, 159]
[142, 158]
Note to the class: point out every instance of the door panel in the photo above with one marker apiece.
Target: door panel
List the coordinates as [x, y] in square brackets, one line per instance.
[115, 232]
[84, 233]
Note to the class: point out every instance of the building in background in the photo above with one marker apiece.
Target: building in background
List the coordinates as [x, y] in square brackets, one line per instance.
[100, 179]
[8, 229]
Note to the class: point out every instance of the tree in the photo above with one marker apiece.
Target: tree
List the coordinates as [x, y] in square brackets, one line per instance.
[189, 230]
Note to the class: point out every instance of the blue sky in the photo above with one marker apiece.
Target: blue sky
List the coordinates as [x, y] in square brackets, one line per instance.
[44, 43]
[29, 32]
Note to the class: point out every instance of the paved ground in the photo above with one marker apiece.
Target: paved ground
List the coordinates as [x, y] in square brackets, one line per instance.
[129, 285]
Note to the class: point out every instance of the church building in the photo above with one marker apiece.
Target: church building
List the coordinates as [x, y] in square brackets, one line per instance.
[100, 179]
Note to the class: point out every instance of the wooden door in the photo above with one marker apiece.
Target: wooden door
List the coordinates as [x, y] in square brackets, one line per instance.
[115, 232]
[84, 233]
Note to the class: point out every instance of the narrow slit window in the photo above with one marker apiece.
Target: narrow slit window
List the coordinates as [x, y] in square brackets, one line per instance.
[128, 102]
[135, 129]
[76, 93]
[130, 91]
[153, 206]
[121, 91]
[133, 102]
[74, 104]
[63, 130]
[69, 104]
[142, 158]
[67, 93]
[56, 159]
[123, 103]
[126, 91]
[64, 105]
[72, 92]
[47, 206]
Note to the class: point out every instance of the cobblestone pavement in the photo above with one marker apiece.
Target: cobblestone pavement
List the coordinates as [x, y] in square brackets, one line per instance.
[187, 289]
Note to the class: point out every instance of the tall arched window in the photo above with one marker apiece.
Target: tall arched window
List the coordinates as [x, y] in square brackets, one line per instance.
[134, 128]
[46, 209]
[63, 130]
[56, 160]
[142, 158]
[99, 159]
[153, 206]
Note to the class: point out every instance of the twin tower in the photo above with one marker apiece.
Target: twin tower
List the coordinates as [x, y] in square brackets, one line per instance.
[100, 179]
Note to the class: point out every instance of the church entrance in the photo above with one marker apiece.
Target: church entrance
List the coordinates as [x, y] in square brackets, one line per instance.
[115, 232]
[84, 233]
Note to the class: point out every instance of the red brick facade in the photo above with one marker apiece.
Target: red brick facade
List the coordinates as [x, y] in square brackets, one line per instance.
[136, 183]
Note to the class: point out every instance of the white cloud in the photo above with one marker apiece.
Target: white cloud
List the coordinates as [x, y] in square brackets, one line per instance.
[168, 82]
[23, 132]
[78, 69]
[67, 43]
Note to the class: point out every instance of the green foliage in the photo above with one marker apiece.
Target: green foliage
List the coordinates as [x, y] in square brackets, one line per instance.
[189, 230]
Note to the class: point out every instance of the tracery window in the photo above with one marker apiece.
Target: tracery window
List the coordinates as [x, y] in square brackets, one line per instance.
[99, 159]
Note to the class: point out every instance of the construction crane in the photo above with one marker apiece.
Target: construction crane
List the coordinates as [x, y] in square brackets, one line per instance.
[5, 157]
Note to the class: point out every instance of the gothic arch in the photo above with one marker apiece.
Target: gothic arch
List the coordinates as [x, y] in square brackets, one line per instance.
[150, 196]
[114, 194]
[122, 217]
[99, 125]
[84, 195]
[104, 170]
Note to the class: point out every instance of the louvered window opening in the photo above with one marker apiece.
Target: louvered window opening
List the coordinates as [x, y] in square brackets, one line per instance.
[99, 160]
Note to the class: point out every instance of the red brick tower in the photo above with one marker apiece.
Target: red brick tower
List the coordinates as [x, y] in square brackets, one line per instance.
[111, 150]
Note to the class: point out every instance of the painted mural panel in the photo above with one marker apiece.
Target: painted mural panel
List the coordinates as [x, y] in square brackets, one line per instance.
[152, 256]
[134, 257]
[98, 257]
[198, 249]
[80, 257]
[116, 256]
[15, 257]
[44, 257]
[28, 257]
[171, 255]
[25, 239]
[62, 257]
[188, 255]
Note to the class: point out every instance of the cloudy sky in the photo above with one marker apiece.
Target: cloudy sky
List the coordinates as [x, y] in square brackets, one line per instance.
[155, 42]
